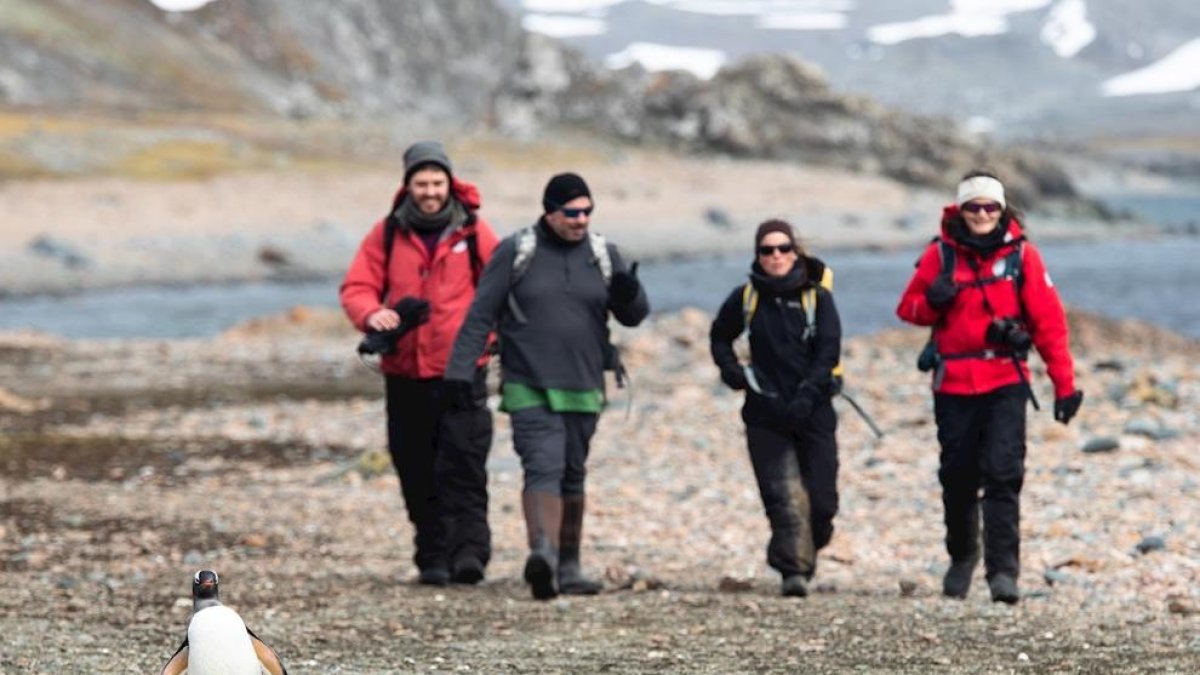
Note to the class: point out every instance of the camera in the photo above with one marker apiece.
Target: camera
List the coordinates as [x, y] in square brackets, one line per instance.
[412, 312]
[381, 342]
[1009, 333]
[928, 358]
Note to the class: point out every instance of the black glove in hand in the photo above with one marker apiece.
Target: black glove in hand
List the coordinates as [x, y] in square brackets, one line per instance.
[941, 293]
[734, 377]
[460, 394]
[624, 285]
[413, 311]
[1066, 407]
[800, 408]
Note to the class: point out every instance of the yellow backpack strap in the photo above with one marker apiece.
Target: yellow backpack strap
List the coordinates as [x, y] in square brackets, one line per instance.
[827, 278]
[808, 300]
[749, 304]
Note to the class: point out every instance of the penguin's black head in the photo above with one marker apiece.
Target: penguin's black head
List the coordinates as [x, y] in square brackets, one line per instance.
[204, 585]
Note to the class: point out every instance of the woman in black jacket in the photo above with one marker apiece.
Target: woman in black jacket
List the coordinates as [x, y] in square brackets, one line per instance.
[795, 342]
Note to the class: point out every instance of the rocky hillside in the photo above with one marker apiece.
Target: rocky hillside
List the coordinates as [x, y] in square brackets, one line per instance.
[466, 62]
[337, 57]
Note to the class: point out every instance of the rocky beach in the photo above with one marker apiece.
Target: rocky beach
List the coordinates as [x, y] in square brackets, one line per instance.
[129, 464]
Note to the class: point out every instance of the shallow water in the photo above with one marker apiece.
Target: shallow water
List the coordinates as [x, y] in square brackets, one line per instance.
[1154, 280]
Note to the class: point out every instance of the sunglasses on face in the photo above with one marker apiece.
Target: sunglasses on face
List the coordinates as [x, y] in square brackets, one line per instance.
[575, 213]
[976, 207]
[782, 248]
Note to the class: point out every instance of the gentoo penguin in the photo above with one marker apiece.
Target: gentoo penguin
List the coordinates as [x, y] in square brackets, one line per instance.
[218, 642]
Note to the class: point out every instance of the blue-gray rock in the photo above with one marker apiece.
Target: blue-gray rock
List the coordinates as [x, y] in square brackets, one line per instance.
[1109, 364]
[1101, 444]
[1053, 576]
[718, 218]
[48, 247]
[1151, 543]
[1148, 428]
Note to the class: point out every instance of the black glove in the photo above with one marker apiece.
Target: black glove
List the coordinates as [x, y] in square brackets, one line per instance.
[734, 377]
[460, 394]
[1066, 407]
[624, 286]
[940, 294]
[800, 408]
[413, 311]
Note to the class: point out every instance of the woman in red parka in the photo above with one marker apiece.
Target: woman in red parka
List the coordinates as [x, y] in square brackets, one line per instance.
[984, 289]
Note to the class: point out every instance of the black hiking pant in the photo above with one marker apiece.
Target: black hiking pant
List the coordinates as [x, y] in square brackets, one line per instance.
[983, 448]
[796, 471]
[440, 455]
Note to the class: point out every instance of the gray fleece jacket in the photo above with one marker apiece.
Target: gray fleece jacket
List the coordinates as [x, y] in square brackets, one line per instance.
[565, 302]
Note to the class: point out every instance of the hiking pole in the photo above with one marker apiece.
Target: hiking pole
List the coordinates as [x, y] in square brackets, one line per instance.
[862, 413]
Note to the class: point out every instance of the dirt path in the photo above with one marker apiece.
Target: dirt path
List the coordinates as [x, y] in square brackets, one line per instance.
[129, 465]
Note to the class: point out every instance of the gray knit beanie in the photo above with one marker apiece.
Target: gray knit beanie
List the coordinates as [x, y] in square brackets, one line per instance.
[425, 152]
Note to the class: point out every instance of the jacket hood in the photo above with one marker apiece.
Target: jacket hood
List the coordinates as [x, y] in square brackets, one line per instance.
[466, 193]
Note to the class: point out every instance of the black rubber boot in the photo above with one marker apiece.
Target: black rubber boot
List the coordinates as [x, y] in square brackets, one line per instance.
[570, 573]
[543, 518]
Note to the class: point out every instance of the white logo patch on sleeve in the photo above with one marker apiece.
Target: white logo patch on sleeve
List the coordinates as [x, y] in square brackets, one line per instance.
[1049, 281]
[459, 247]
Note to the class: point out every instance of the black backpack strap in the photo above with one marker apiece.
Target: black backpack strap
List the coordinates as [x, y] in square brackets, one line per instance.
[472, 240]
[390, 225]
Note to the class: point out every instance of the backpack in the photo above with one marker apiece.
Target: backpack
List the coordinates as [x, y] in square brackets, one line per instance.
[526, 247]
[808, 300]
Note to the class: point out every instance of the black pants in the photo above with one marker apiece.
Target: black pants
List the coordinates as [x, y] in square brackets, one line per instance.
[553, 448]
[440, 455]
[983, 447]
[796, 472]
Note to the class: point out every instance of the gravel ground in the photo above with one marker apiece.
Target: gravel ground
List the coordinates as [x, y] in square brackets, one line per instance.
[127, 465]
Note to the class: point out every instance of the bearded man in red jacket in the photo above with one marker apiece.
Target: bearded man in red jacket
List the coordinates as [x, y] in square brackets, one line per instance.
[411, 283]
[986, 292]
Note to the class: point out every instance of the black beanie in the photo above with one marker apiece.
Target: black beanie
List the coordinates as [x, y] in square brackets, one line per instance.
[774, 225]
[563, 188]
[425, 152]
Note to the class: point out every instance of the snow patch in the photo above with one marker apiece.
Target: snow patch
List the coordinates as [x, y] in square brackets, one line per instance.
[567, 6]
[969, 18]
[803, 21]
[704, 63]
[1176, 71]
[179, 5]
[558, 26]
[1067, 29]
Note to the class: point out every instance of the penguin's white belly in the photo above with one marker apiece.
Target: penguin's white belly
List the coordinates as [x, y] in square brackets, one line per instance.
[218, 644]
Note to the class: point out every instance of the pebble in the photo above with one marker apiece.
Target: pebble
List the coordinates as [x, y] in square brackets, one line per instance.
[1101, 444]
[1151, 543]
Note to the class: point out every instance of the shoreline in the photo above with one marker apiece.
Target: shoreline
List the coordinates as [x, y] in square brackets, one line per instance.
[63, 236]
[273, 260]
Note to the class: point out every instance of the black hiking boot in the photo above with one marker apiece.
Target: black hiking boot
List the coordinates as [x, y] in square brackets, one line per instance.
[957, 581]
[795, 586]
[467, 570]
[435, 575]
[1004, 589]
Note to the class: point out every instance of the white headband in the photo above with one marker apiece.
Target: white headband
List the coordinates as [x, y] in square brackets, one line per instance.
[981, 186]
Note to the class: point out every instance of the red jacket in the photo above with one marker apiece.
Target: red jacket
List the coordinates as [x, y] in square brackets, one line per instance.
[960, 329]
[445, 279]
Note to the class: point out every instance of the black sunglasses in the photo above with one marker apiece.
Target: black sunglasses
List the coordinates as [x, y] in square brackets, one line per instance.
[782, 248]
[976, 207]
[575, 213]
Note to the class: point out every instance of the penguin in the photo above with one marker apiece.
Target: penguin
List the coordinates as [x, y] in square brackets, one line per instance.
[218, 641]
